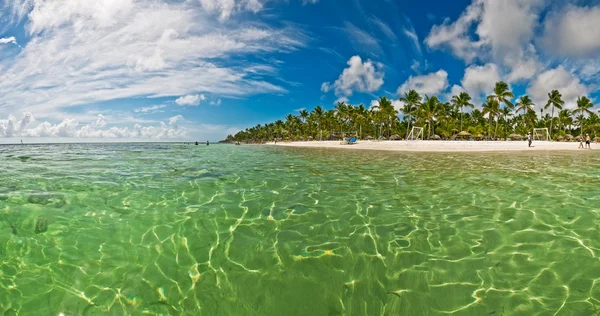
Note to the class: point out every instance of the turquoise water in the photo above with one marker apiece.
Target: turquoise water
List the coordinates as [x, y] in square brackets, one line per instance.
[173, 229]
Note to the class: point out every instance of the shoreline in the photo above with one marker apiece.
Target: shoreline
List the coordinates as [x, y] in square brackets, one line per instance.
[440, 146]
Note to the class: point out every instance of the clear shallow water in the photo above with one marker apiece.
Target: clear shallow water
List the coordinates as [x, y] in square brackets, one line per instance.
[171, 229]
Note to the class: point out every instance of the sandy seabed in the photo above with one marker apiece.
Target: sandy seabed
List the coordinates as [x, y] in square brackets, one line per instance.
[440, 146]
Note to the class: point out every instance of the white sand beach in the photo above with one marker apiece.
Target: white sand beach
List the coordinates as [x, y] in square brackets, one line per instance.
[441, 146]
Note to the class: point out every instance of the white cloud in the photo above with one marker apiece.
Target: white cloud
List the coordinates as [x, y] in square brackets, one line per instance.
[8, 40]
[225, 8]
[491, 31]
[412, 35]
[373, 104]
[174, 119]
[192, 100]
[385, 29]
[397, 104]
[430, 84]
[215, 103]
[524, 70]
[359, 76]
[82, 52]
[572, 31]
[556, 79]
[503, 27]
[12, 127]
[150, 109]
[480, 80]
[455, 35]
[362, 41]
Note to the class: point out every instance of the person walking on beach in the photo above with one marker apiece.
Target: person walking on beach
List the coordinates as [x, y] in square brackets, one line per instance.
[529, 139]
[587, 141]
[580, 141]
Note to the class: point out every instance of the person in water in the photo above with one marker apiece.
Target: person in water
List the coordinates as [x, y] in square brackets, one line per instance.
[207, 143]
[196, 143]
[587, 141]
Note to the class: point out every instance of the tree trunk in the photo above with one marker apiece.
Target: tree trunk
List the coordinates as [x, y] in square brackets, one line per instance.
[408, 129]
[461, 119]
[429, 129]
[490, 128]
[551, 119]
[496, 130]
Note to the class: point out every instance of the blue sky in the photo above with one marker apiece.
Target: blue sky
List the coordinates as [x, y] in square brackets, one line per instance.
[117, 70]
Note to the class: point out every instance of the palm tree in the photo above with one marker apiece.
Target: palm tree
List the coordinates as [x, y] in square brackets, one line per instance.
[411, 100]
[318, 114]
[593, 121]
[506, 112]
[583, 107]
[429, 110]
[564, 118]
[387, 111]
[492, 109]
[460, 101]
[502, 94]
[289, 123]
[342, 112]
[524, 104]
[554, 100]
[359, 115]
[303, 116]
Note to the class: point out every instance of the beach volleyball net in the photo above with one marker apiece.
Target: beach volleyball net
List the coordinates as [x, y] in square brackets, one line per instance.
[415, 134]
[541, 134]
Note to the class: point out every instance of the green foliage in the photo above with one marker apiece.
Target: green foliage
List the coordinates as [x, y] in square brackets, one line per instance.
[498, 117]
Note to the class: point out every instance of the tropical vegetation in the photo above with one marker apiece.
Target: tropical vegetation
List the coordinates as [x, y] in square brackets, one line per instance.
[496, 119]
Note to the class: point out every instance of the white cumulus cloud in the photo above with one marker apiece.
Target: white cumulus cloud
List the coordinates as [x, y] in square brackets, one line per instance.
[12, 127]
[360, 76]
[557, 79]
[430, 84]
[191, 100]
[8, 40]
[480, 80]
[573, 31]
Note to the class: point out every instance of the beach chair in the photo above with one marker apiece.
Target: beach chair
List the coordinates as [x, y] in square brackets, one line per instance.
[352, 141]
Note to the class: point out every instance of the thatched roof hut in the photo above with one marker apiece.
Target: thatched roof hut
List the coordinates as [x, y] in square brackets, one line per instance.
[463, 135]
[569, 137]
[395, 137]
[515, 137]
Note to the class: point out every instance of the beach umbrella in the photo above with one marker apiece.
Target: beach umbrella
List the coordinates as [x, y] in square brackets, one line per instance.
[463, 135]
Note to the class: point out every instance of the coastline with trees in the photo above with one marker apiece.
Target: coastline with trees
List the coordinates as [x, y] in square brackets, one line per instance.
[497, 119]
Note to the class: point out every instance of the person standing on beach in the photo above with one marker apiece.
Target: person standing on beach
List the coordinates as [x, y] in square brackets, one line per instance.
[580, 141]
[529, 139]
[587, 141]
